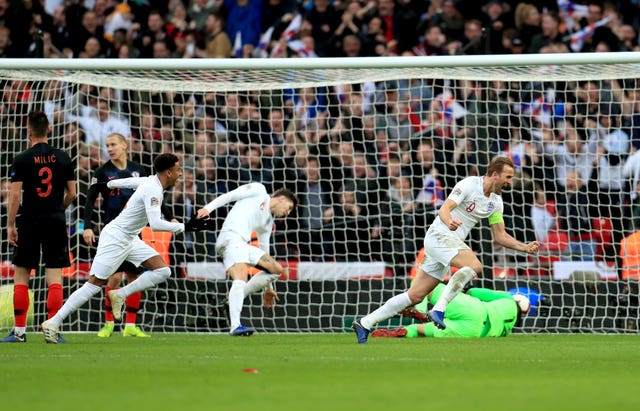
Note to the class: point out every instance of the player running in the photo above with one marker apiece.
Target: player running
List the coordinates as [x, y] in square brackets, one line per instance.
[472, 199]
[120, 241]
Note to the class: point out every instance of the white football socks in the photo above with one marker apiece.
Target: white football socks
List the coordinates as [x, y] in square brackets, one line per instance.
[236, 297]
[75, 301]
[392, 307]
[258, 282]
[148, 279]
[453, 288]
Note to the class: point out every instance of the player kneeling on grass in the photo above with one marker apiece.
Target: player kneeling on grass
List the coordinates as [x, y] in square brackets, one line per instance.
[253, 210]
[480, 313]
[120, 241]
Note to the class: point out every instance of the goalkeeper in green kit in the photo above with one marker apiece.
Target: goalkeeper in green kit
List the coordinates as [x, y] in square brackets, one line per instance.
[480, 313]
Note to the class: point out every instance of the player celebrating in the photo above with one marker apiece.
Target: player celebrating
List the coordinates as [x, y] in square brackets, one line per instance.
[471, 200]
[253, 210]
[43, 177]
[120, 241]
[480, 313]
[114, 201]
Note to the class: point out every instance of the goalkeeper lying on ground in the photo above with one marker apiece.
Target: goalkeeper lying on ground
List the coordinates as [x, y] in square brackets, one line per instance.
[479, 313]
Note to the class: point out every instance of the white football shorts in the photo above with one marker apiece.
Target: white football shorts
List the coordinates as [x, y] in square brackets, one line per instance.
[113, 251]
[440, 247]
[235, 251]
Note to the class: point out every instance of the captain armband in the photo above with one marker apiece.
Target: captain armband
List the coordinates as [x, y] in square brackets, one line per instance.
[496, 218]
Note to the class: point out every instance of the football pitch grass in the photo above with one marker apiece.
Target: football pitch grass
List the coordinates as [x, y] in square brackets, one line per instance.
[321, 372]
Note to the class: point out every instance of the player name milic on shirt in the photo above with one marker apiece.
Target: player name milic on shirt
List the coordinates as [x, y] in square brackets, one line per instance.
[48, 159]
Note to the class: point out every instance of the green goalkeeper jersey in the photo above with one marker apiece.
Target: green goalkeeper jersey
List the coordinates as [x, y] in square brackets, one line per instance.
[480, 313]
[502, 310]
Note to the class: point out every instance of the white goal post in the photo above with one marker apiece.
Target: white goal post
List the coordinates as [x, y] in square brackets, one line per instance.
[372, 146]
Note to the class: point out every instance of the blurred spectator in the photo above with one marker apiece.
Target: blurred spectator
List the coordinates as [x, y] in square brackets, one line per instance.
[161, 49]
[276, 13]
[206, 177]
[472, 42]
[543, 220]
[177, 20]
[218, 44]
[199, 12]
[88, 28]
[449, 19]
[393, 230]
[575, 216]
[570, 154]
[314, 200]
[60, 33]
[434, 43]
[550, 33]
[6, 47]
[427, 177]
[244, 17]
[527, 20]
[155, 31]
[613, 149]
[325, 20]
[351, 46]
[92, 49]
[252, 167]
[97, 129]
[374, 42]
[346, 228]
[496, 18]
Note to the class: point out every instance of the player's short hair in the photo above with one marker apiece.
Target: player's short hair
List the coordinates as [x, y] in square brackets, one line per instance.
[39, 123]
[498, 164]
[120, 137]
[285, 192]
[164, 162]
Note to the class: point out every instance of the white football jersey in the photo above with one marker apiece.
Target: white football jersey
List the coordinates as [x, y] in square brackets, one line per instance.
[249, 213]
[143, 208]
[472, 207]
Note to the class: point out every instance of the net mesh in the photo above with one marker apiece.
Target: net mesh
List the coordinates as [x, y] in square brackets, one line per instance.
[372, 154]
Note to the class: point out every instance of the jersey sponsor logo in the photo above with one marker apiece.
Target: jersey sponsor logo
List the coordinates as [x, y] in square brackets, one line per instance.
[471, 207]
[155, 201]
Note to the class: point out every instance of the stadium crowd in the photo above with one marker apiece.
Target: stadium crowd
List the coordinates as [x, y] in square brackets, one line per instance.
[371, 162]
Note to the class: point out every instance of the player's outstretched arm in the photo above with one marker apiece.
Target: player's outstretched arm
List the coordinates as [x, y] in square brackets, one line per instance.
[501, 237]
[129, 182]
[242, 192]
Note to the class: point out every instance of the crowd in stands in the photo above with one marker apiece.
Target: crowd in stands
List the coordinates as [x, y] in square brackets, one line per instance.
[371, 162]
[287, 28]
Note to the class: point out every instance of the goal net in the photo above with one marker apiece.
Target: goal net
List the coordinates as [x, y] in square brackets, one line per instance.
[372, 147]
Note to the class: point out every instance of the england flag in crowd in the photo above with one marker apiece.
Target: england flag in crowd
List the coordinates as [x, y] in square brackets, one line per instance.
[540, 109]
[570, 10]
[301, 48]
[287, 35]
[577, 39]
[263, 44]
[450, 110]
[237, 45]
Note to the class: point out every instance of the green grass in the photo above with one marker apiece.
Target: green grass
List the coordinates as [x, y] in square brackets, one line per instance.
[322, 372]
